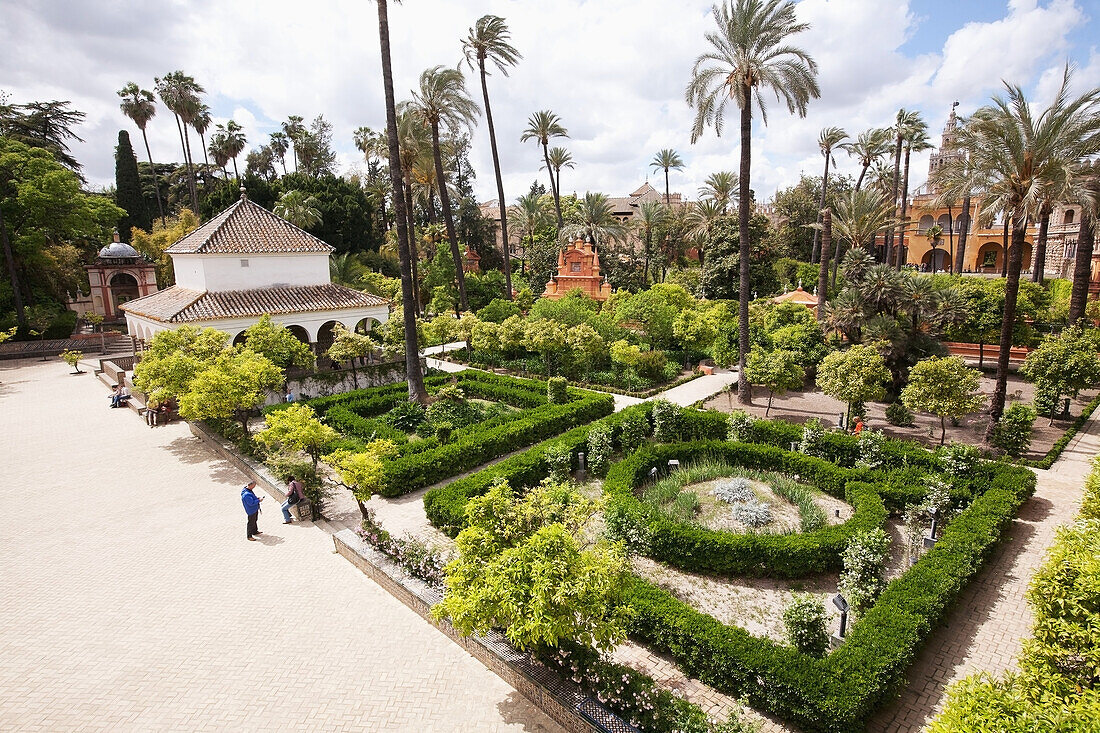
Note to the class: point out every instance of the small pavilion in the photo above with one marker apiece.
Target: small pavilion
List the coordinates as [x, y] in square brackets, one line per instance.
[247, 262]
[799, 296]
[578, 267]
[119, 274]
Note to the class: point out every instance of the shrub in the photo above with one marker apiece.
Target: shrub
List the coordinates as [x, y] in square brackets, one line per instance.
[559, 462]
[804, 623]
[871, 444]
[740, 426]
[734, 490]
[651, 365]
[813, 439]
[1012, 433]
[443, 430]
[754, 514]
[633, 432]
[406, 416]
[900, 415]
[600, 449]
[864, 574]
[666, 421]
[556, 391]
[958, 459]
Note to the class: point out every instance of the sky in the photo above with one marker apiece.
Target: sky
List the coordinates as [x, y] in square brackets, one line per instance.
[613, 71]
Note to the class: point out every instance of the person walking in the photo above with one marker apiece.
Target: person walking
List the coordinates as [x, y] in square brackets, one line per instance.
[293, 496]
[251, 508]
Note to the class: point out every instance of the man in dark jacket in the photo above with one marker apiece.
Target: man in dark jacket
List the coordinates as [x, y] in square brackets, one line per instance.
[251, 508]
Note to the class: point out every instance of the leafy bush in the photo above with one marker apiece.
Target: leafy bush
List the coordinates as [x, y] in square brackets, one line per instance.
[559, 462]
[556, 391]
[666, 421]
[958, 459]
[813, 439]
[1012, 433]
[804, 622]
[633, 431]
[864, 574]
[740, 426]
[415, 557]
[734, 490]
[900, 415]
[754, 514]
[871, 444]
[651, 365]
[600, 448]
[406, 416]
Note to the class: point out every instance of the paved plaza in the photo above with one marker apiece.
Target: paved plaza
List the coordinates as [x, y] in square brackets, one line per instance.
[130, 600]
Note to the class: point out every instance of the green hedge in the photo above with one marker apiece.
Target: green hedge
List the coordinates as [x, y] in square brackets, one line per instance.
[841, 692]
[698, 549]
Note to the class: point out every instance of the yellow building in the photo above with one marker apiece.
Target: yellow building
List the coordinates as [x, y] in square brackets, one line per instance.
[985, 247]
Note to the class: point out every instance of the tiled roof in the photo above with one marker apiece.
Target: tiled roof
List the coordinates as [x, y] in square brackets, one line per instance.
[178, 305]
[247, 228]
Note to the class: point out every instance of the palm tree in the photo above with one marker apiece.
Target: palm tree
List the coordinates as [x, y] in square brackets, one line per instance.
[541, 126]
[559, 158]
[234, 142]
[219, 148]
[413, 373]
[279, 144]
[1012, 152]
[442, 99]
[1088, 194]
[527, 216]
[916, 138]
[869, 146]
[299, 208]
[179, 92]
[860, 216]
[595, 220]
[829, 138]
[651, 216]
[667, 159]
[902, 122]
[201, 123]
[700, 221]
[346, 269]
[721, 187]
[414, 149]
[488, 41]
[140, 106]
[295, 130]
[748, 55]
[826, 253]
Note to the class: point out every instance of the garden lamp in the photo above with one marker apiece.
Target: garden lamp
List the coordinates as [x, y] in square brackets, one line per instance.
[842, 605]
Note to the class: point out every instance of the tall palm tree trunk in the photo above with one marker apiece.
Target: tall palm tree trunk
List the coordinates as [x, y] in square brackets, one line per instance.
[668, 195]
[235, 173]
[415, 376]
[414, 254]
[961, 254]
[1012, 289]
[553, 186]
[744, 391]
[951, 239]
[826, 253]
[156, 180]
[1004, 248]
[500, 185]
[1082, 268]
[1039, 260]
[904, 226]
[862, 173]
[205, 157]
[814, 253]
[448, 218]
[190, 169]
[894, 199]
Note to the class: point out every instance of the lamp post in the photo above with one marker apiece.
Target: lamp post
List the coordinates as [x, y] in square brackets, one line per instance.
[842, 605]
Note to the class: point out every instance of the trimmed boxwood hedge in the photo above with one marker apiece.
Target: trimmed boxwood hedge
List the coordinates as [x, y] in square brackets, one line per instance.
[842, 691]
[698, 549]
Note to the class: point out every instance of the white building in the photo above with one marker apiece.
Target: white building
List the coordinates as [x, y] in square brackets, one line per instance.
[247, 262]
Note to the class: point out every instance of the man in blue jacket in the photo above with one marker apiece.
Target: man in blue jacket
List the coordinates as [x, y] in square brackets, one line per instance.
[251, 508]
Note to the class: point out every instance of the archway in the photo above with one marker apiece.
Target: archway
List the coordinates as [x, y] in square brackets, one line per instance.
[240, 339]
[989, 257]
[300, 333]
[325, 339]
[1027, 257]
[945, 223]
[124, 287]
[366, 325]
[935, 260]
[925, 224]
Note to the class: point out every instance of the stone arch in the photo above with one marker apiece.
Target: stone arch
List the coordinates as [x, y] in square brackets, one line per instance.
[366, 325]
[1026, 261]
[944, 222]
[962, 220]
[936, 260]
[1068, 217]
[300, 333]
[240, 338]
[926, 223]
[989, 257]
[325, 337]
[123, 287]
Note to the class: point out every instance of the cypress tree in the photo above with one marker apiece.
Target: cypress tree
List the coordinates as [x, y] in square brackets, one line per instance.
[128, 194]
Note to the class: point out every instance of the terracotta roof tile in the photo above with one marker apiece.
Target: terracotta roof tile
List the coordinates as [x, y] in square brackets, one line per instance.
[177, 305]
[247, 228]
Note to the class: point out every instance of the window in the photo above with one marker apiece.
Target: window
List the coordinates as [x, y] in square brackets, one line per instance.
[244, 263]
[575, 267]
[1069, 249]
[1068, 218]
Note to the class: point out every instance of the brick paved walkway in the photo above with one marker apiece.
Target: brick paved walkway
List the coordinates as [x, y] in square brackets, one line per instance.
[985, 630]
[130, 600]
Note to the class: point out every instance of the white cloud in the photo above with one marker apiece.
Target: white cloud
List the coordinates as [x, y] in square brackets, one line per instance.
[614, 72]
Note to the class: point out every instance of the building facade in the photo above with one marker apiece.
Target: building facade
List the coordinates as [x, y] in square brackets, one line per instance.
[118, 275]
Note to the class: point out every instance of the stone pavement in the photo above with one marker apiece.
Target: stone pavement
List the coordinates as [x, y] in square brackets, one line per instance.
[130, 600]
[985, 630]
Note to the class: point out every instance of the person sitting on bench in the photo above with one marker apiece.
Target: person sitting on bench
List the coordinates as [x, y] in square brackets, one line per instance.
[120, 396]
